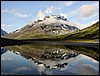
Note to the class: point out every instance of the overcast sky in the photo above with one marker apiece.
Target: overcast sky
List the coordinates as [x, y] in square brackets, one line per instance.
[15, 14]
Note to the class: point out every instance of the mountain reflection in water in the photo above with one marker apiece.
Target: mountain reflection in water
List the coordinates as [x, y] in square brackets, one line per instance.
[38, 60]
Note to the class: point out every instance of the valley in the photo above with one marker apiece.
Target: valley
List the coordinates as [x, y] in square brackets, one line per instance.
[49, 38]
[87, 35]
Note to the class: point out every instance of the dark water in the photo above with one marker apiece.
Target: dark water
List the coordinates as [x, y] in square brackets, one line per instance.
[40, 59]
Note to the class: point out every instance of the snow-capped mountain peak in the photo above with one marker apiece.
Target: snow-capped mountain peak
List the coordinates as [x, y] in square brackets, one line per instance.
[53, 25]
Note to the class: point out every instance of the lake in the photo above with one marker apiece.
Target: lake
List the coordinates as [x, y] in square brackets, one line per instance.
[49, 60]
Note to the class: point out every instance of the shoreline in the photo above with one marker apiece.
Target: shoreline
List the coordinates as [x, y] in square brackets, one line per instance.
[85, 44]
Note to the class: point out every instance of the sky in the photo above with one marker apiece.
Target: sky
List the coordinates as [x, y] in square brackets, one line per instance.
[16, 14]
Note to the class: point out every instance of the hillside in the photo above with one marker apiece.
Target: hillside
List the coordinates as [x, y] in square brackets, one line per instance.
[91, 32]
[49, 27]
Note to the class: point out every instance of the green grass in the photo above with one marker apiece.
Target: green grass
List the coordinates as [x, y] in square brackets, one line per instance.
[88, 33]
[89, 51]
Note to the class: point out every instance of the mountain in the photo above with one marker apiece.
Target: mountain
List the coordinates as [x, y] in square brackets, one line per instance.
[48, 27]
[91, 32]
[3, 50]
[3, 33]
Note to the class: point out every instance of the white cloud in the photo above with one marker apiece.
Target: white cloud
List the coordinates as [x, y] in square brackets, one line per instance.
[6, 25]
[58, 8]
[22, 68]
[22, 15]
[90, 17]
[78, 25]
[4, 59]
[88, 11]
[4, 10]
[84, 12]
[40, 15]
[15, 12]
[49, 10]
[96, 5]
[67, 3]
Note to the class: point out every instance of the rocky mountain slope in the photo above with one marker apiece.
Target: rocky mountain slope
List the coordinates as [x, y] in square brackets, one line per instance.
[49, 27]
[3, 33]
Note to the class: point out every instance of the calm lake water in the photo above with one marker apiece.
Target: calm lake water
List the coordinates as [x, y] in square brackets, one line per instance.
[40, 59]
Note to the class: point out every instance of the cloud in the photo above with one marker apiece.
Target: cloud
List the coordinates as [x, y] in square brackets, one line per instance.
[22, 68]
[22, 15]
[4, 59]
[84, 12]
[67, 3]
[82, 26]
[90, 17]
[6, 25]
[58, 8]
[15, 12]
[40, 15]
[88, 11]
[69, 15]
[49, 10]
[78, 25]
[4, 10]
